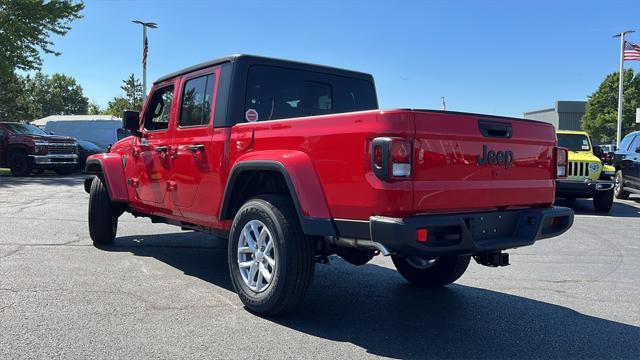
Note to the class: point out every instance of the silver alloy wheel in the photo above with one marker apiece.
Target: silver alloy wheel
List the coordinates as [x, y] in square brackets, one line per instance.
[616, 183]
[256, 255]
[419, 262]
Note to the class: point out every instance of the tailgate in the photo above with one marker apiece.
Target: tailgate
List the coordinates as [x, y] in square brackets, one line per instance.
[465, 162]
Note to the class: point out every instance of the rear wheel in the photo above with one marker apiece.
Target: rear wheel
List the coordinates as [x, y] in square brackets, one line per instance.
[431, 272]
[271, 262]
[103, 222]
[603, 201]
[617, 187]
[19, 164]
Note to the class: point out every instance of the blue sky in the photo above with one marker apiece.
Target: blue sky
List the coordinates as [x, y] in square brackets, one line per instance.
[496, 57]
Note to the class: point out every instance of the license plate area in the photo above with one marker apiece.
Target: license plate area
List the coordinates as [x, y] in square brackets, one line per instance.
[491, 226]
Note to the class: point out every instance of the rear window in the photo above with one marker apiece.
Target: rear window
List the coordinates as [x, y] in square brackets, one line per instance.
[279, 93]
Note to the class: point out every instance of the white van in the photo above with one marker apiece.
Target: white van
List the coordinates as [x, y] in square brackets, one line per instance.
[99, 129]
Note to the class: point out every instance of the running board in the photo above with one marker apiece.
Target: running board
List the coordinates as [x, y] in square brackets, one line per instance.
[631, 190]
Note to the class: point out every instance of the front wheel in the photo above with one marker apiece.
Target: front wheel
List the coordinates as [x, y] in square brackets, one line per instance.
[603, 201]
[103, 222]
[431, 272]
[20, 164]
[617, 187]
[271, 262]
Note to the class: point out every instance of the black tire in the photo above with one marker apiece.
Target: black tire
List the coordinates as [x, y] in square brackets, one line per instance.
[603, 201]
[617, 189]
[19, 164]
[443, 271]
[103, 224]
[64, 171]
[294, 254]
[37, 171]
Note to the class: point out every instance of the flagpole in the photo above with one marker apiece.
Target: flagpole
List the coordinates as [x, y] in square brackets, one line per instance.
[145, 25]
[621, 87]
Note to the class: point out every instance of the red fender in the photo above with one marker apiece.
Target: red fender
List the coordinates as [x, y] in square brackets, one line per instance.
[110, 165]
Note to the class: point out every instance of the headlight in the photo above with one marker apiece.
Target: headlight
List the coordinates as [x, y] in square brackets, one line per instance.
[594, 167]
[41, 147]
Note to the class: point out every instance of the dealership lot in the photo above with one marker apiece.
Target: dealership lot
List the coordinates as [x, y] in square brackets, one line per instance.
[163, 292]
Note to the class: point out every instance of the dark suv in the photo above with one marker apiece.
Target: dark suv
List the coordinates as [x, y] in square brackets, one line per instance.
[26, 148]
[627, 163]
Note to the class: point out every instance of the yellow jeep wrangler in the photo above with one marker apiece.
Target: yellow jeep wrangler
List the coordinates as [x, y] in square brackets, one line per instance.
[586, 177]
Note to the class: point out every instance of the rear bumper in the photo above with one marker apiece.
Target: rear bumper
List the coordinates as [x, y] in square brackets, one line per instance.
[587, 188]
[469, 233]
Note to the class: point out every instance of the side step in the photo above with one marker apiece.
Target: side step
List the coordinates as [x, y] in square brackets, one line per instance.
[631, 190]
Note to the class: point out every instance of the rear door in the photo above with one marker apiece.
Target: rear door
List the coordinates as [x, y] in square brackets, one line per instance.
[631, 167]
[466, 161]
[152, 148]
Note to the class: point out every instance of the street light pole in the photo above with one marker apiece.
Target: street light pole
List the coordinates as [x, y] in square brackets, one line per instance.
[145, 25]
[621, 86]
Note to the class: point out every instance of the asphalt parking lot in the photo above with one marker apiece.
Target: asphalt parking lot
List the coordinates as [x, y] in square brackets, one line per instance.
[160, 292]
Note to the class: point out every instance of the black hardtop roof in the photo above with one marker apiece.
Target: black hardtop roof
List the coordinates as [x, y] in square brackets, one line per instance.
[266, 61]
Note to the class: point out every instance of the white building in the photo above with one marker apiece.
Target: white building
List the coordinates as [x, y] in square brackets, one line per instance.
[99, 129]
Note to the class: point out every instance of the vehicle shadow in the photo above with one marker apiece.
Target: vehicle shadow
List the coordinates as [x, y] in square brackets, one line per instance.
[76, 179]
[585, 207]
[372, 307]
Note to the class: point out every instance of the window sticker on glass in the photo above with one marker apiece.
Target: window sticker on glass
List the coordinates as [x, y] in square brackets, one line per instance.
[251, 115]
[585, 144]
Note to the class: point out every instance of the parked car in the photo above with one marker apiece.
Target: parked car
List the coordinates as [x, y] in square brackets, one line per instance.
[293, 162]
[627, 165]
[587, 176]
[605, 153]
[25, 149]
[86, 149]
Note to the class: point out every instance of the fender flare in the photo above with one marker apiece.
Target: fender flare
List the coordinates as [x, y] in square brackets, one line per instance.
[109, 166]
[302, 181]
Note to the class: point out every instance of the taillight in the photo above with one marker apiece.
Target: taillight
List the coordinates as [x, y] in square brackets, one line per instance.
[400, 158]
[391, 158]
[562, 156]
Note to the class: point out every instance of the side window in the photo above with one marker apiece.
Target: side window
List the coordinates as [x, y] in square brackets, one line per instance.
[624, 144]
[159, 110]
[635, 145]
[280, 93]
[196, 101]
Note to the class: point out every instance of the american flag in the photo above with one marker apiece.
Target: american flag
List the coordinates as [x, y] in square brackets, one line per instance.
[631, 51]
[146, 48]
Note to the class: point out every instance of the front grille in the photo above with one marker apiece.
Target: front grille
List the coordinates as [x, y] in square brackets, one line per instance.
[61, 148]
[577, 168]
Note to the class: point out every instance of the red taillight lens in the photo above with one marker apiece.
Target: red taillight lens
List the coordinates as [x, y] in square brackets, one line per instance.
[400, 155]
[562, 157]
[422, 235]
[377, 156]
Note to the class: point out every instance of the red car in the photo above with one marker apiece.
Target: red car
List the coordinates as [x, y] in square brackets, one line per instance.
[294, 162]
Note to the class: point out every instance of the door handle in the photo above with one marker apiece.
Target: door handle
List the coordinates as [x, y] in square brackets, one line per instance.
[161, 149]
[196, 148]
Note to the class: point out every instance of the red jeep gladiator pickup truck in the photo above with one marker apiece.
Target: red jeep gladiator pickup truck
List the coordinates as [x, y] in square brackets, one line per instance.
[293, 162]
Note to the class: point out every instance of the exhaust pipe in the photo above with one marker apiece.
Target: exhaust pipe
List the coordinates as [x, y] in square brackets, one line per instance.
[359, 244]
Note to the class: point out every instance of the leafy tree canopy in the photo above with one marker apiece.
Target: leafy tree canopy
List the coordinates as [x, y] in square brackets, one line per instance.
[601, 113]
[25, 28]
[133, 98]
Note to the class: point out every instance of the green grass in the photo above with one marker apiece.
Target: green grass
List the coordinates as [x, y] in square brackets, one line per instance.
[5, 172]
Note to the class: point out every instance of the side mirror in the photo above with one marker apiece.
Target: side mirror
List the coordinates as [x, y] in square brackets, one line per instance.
[597, 151]
[122, 133]
[131, 121]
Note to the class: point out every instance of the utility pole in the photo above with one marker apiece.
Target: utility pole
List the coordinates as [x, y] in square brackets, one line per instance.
[145, 48]
[621, 86]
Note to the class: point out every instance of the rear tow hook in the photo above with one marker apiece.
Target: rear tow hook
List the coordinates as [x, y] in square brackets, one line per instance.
[492, 259]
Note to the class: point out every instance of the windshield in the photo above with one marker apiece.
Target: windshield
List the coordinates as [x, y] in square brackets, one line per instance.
[24, 129]
[574, 142]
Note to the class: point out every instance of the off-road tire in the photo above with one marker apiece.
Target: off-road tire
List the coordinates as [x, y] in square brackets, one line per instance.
[603, 201]
[63, 171]
[103, 224]
[19, 163]
[443, 271]
[618, 181]
[295, 265]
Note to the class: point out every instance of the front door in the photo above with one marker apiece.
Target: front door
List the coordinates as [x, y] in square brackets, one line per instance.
[197, 160]
[153, 148]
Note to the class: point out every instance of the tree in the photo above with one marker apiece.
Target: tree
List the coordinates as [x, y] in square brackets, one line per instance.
[132, 88]
[94, 109]
[25, 28]
[133, 98]
[601, 113]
